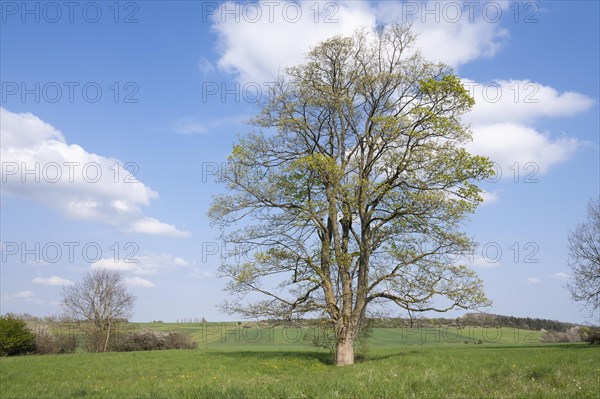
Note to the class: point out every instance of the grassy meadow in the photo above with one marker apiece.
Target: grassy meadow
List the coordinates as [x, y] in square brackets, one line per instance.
[236, 362]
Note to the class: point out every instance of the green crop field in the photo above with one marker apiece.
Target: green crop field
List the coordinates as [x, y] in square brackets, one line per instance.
[236, 362]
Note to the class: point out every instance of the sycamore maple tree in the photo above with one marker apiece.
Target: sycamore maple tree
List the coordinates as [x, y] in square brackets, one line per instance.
[353, 188]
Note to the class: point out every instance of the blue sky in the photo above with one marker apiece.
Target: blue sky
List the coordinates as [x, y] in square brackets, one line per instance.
[95, 93]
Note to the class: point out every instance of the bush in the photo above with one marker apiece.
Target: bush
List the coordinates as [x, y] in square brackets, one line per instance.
[322, 336]
[552, 336]
[48, 343]
[591, 335]
[15, 337]
[572, 335]
[179, 340]
[149, 340]
[321, 339]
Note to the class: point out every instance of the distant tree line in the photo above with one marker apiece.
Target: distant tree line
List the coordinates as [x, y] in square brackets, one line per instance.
[478, 320]
[190, 320]
[470, 319]
[487, 320]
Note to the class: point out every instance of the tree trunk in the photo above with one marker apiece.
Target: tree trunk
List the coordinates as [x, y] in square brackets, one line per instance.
[344, 352]
[107, 337]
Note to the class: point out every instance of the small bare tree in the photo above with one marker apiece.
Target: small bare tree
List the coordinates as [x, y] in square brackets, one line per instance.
[584, 259]
[97, 303]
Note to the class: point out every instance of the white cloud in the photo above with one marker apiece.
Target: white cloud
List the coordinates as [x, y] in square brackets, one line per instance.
[138, 282]
[520, 101]
[292, 28]
[121, 265]
[533, 280]
[446, 31]
[145, 264]
[559, 276]
[288, 27]
[480, 262]
[202, 274]
[152, 264]
[489, 197]
[54, 280]
[150, 225]
[38, 163]
[502, 118]
[24, 296]
[181, 262]
[205, 66]
[189, 126]
[507, 143]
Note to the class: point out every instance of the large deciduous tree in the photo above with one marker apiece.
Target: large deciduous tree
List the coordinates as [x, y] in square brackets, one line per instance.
[352, 189]
[97, 303]
[584, 259]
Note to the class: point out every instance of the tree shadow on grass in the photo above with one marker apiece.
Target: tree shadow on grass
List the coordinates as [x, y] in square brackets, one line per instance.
[376, 357]
[320, 356]
[264, 355]
[326, 358]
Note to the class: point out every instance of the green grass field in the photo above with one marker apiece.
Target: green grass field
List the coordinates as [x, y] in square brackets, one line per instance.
[237, 362]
